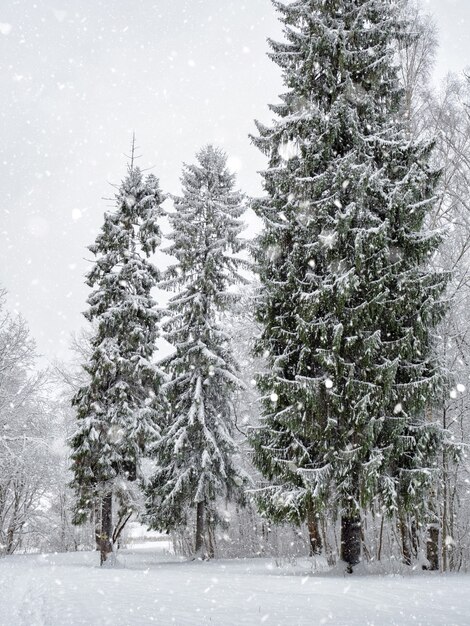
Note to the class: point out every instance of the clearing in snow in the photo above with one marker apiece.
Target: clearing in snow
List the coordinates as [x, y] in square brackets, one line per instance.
[149, 585]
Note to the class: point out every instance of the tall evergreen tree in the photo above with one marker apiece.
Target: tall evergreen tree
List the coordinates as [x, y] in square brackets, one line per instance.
[195, 461]
[117, 410]
[348, 303]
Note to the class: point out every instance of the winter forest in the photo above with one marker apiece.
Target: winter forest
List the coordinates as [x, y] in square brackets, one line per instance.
[263, 414]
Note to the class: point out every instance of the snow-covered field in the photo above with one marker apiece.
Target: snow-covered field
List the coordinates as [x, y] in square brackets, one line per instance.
[150, 586]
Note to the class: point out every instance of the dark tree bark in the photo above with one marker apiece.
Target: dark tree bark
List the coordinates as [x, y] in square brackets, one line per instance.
[414, 538]
[351, 540]
[405, 539]
[10, 547]
[199, 528]
[106, 546]
[97, 522]
[314, 533]
[381, 536]
[210, 541]
[432, 547]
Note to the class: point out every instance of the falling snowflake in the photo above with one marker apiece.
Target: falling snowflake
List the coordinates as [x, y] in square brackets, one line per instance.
[289, 150]
[328, 239]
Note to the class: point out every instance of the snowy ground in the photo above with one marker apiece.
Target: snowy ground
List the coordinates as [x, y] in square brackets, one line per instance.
[150, 586]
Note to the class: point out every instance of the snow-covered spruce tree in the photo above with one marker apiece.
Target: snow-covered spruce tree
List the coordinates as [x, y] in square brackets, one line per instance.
[348, 303]
[195, 457]
[118, 409]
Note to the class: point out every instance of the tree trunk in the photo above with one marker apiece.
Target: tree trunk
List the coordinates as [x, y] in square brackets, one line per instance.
[13, 527]
[313, 532]
[381, 538]
[210, 541]
[432, 547]
[444, 524]
[97, 522]
[10, 547]
[405, 539]
[199, 528]
[414, 538]
[351, 540]
[330, 557]
[106, 547]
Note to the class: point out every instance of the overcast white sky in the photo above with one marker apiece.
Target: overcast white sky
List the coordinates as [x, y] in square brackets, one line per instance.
[78, 76]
